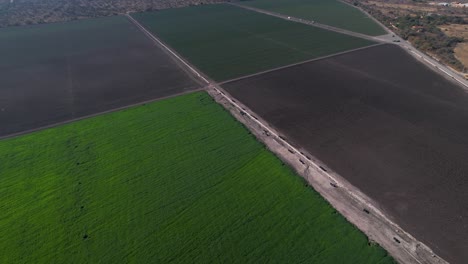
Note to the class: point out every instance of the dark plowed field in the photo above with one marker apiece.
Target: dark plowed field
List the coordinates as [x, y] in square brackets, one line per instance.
[386, 123]
[56, 72]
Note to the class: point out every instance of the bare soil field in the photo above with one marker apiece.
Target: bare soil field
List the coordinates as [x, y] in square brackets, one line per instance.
[386, 123]
[461, 53]
[56, 72]
[455, 30]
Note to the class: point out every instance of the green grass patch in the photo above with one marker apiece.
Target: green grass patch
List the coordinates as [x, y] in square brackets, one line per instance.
[330, 12]
[225, 41]
[177, 180]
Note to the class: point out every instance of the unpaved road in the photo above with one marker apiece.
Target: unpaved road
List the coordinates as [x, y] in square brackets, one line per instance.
[309, 22]
[349, 201]
[388, 38]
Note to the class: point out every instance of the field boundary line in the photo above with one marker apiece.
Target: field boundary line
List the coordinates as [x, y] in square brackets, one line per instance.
[369, 15]
[308, 22]
[158, 41]
[393, 238]
[116, 109]
[442, 69]
[206, 79]
[299, 63]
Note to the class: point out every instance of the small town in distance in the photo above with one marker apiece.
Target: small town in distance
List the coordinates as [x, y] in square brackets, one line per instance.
[451, 4]
[241, 131]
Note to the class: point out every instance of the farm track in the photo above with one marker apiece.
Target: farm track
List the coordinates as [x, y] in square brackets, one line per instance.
[177, 59]
[344, 197]
[298, 63]
[310, 23]
[438, 67]
[354, 205]
[407, 249]
[160, 43]
[395, 131]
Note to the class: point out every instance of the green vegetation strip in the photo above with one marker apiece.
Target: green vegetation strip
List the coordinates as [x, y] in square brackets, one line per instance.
[330, 12]
[225, 41]
[178, 180]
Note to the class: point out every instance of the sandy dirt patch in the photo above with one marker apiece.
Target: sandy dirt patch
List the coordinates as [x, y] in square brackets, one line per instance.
[461, 31]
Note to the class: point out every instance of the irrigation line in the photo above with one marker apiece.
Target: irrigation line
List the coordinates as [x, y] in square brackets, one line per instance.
[299, 63]
[15, 134]
[151, 36]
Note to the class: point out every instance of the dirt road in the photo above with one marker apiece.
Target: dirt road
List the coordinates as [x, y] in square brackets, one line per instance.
[348, 200]
[388, 38]
[345, 198]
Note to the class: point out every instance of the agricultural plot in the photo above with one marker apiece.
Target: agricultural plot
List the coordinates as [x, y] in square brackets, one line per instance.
[178, 180]
[330, 12]
[385, 122]
[56, 72]
[225, 41]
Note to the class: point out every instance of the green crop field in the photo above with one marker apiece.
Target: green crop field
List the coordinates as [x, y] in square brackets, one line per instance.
[177, 180]
[225, 41]
[330, 12]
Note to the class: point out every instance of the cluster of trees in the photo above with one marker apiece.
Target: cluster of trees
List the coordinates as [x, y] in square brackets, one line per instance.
[422, 30]
[27, 12]
[412, 25]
